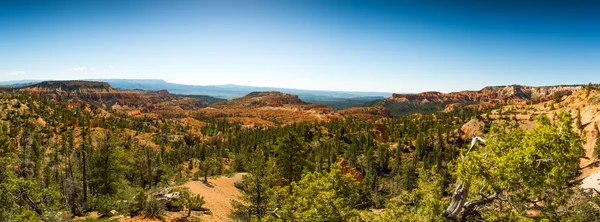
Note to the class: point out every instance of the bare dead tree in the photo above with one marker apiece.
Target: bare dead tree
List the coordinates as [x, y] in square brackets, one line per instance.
[458, 202]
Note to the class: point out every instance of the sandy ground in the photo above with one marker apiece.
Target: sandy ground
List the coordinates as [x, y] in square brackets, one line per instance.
[592, 181]
[218, 194]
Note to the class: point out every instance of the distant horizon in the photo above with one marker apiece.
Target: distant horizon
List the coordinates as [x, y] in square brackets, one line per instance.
[275, 87]
[227, 84]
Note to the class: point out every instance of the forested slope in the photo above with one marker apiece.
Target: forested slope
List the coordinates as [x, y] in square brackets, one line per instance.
[70, 159]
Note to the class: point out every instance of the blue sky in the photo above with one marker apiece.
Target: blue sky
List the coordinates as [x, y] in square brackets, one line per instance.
[387, 46]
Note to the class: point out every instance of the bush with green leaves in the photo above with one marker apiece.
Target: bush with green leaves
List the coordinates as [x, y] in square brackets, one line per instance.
[140, 202]
[318, 197]
[105, 203]
[586, 210]
[191, 201]
[154, 209]
[517, 170]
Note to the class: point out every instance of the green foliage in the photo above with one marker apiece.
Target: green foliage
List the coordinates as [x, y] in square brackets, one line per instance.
[9, 182]
[292, 167]
[291, 159]
[556, 98]
[28, 216]
[523, 167]
[140, 201]
[107, 166]
[191, 201]
[209, 166]
[587, 210]
[104, 204]
[154, 210]
[255, 186]
[319, 197]
[424, 203]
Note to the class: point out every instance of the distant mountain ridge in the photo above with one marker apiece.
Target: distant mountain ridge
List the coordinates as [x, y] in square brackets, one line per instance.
[334, 99]
[228, 91]
[103, 95]
[429, 102]
[397, 104]
[262, 99]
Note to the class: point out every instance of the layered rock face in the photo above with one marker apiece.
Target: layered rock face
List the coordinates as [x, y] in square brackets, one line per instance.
[102, 94]
[482, 99]
[487, 94]
[263, 99]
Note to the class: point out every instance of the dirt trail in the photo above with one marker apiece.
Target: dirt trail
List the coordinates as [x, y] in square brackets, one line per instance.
[218, 194]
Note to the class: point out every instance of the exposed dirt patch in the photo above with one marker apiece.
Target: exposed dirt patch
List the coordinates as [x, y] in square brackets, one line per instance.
[218, 194]
[592, 181]
[472, 128]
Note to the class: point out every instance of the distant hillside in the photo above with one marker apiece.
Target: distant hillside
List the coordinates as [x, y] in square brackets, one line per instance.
[262, 99]
[208, 99]
[235, 91]
[103, 95]
[72, 85]
[488, 97]
[19, 83]
[341, 103]
[335, 99]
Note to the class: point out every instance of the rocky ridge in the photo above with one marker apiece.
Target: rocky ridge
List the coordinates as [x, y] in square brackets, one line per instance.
[481, 99]
[103, 95]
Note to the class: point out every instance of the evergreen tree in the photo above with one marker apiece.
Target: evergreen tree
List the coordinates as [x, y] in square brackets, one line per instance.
[319, 197]
[523, 167]
[107, 171]
[291, 157]
[256, 186]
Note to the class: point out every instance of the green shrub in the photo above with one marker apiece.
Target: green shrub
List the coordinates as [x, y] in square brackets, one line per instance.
[154, 210]
[104, 204]
[239, 184]
[191, 201]
[28, 215]
[140, 202]
[196, 176]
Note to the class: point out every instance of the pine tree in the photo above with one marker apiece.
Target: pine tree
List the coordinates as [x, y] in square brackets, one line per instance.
[107, 170]
[257, 183]
[291, 159]
[319, 197]
[209, 166]
[8, 178]
[191, 201]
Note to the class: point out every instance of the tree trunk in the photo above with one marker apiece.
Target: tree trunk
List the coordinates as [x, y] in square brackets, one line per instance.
[291, 171]
[83, 154]
[30, 202]
[258, 198]
[470, 206]
[149, 161]
[458, 201]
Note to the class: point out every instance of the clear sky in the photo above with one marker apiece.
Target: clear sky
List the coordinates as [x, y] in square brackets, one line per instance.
[387, 46]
